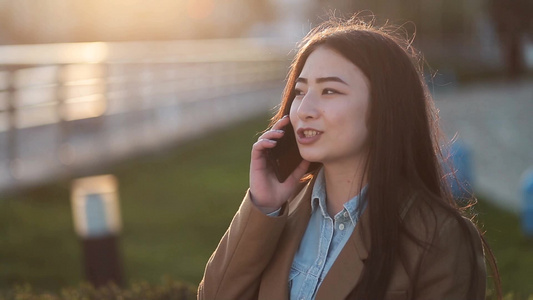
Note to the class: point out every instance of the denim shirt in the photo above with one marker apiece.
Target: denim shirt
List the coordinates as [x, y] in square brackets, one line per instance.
[322, 242]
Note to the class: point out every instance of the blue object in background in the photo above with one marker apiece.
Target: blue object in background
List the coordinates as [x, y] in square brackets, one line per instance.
[96, 216]
[461, 158]
[527, 198]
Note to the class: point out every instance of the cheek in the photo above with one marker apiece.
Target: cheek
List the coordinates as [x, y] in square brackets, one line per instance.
[362, 123]
[353, 134]
[367, 116]
[361, 112]
[293, 112]
[355, 121]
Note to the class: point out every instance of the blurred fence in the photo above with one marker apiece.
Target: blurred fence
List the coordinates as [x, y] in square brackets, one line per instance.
[65, 107]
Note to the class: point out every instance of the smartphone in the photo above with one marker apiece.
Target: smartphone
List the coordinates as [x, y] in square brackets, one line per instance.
[285, 157]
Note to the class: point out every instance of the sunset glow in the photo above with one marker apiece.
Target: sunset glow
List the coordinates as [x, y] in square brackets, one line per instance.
[200, 9]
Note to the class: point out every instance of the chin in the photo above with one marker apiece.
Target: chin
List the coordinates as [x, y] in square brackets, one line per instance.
[311, 157]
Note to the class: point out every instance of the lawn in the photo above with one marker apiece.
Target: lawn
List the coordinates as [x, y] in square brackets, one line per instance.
[176, 204]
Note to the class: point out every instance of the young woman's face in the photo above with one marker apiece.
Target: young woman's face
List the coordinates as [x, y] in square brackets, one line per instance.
[329, 111]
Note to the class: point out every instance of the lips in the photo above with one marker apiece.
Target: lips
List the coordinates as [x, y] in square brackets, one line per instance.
[308, 135]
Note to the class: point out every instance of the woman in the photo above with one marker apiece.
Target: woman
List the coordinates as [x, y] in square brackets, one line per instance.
[365, 214]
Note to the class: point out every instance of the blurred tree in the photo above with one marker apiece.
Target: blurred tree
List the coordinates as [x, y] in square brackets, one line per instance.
[455, 35]
[435, 18]
[513, 20]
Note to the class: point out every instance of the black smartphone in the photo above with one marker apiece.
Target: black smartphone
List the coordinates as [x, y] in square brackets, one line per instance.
[285, 157]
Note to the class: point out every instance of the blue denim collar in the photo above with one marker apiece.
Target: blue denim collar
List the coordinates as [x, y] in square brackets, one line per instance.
[318, 200]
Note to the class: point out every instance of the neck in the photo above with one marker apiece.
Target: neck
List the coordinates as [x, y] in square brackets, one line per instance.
[343, 182]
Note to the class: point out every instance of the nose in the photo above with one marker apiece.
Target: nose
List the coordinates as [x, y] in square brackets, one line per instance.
[307, 108]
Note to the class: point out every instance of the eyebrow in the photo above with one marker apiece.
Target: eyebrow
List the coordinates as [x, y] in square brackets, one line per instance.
[322, 79]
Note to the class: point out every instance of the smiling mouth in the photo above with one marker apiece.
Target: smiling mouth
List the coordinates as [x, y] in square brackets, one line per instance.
[310, 133]
[307, 133]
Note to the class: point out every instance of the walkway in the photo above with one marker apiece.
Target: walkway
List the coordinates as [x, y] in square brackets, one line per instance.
[495, 120]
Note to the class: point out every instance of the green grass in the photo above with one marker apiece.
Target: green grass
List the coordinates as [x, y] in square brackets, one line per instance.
[175, 207]
[513, 251]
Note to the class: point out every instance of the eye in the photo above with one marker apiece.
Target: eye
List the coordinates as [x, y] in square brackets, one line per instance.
[330, 92]
[298, 92]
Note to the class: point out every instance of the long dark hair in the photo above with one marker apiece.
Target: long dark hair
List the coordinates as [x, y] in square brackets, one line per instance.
[404, 153]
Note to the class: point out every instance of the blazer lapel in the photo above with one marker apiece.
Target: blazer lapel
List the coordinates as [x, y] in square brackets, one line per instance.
[274, 284]
[348, 267]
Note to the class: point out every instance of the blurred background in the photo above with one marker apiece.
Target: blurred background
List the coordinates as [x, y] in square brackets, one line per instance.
[166, 98]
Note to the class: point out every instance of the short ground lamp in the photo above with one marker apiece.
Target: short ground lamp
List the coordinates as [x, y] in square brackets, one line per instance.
[96, 213]
[527, 202]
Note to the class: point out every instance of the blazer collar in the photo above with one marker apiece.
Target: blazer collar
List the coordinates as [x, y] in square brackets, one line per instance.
[348, 267]
[274, 284]
[345, 271]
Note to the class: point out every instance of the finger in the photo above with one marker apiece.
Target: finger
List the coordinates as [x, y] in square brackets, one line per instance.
[300, 171]
[259, 146]
[282, 122]
[272, 134]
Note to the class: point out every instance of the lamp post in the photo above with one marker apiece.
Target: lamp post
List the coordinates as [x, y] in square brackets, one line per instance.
[96, 213]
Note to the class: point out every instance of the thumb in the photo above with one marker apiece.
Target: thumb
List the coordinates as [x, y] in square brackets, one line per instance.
[300, 170]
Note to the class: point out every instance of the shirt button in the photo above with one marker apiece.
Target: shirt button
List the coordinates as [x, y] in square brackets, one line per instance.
[341, 227]
[345, 214]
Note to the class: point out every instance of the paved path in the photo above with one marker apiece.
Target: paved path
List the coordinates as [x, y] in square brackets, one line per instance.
[495, 120]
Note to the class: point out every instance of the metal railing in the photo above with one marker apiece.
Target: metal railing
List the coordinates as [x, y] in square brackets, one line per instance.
[65, 107]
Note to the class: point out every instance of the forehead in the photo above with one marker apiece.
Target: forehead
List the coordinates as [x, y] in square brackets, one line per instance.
[325, 62]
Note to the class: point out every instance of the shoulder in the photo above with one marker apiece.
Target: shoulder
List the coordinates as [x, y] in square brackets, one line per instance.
[433, 231]
[447, 255]
[428, 220]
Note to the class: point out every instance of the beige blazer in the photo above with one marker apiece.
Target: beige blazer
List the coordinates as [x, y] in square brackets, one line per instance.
[254, 257]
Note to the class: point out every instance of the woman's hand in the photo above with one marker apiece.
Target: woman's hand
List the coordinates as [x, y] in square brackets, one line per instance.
[268, 194]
